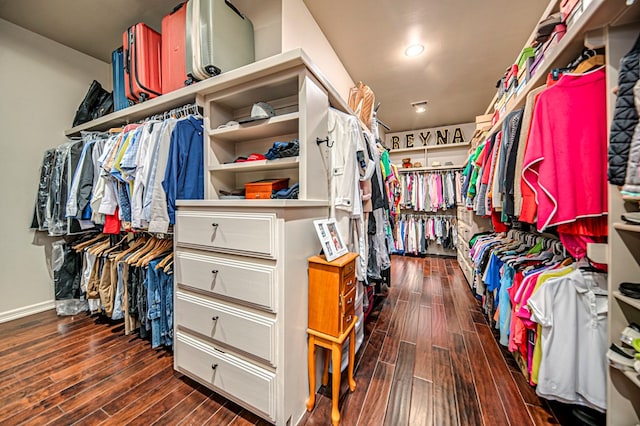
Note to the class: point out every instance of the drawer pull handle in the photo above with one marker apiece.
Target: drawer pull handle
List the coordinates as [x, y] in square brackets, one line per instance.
[214, 272]
[215, 225]
[215, 318]
[349, 318]
[214, 366]
[350, 301]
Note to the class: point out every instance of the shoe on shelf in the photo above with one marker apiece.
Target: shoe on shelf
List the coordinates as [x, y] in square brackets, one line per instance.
[620, 358]
[630, 289]
[630, 333]
[632, 218]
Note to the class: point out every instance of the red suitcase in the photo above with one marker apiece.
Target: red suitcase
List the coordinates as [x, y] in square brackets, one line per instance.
[174, 66]
[142, 70]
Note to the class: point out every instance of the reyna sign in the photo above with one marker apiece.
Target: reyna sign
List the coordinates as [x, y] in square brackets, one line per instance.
[458, 133]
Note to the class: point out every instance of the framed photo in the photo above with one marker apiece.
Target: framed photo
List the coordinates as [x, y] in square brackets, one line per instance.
[330, 238]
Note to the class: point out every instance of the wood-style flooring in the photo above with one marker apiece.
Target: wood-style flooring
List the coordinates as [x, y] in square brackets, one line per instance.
[428, 358]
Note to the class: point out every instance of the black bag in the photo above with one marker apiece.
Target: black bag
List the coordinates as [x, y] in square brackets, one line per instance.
[104, 106]
[90, 103]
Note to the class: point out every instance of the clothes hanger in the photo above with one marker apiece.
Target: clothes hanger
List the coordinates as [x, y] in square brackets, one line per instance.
[148, 246]
[589, 64]
[168, 259]
[136, 244]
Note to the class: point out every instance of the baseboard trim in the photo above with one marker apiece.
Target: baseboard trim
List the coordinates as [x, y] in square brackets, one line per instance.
[26, 310]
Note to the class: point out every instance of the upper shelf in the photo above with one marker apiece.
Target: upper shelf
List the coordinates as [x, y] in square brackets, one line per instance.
[430, 147]
[626, 227]
[258, 166]
[429, 169]
[189, 94]
[598, 14]
[275, 126]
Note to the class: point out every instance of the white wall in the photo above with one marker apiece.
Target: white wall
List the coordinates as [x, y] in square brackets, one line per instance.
[266, 17]
[299, 29]
[41, 84]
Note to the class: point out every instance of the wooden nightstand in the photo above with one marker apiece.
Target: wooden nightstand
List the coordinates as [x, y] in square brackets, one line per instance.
[332, 295]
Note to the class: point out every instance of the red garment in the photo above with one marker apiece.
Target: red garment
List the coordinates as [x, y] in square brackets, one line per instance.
[588, 226]
[565, 161]
[498, 225]
[112, 223]
[529, 203]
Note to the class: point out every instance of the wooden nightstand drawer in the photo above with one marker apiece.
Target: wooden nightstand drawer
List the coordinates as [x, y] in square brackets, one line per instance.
[244, 382]
[243, 233]
[246, 331]
[348, 283]
[347, 319]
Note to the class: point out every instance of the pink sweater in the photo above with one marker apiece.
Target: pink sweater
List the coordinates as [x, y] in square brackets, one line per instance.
[565, 162]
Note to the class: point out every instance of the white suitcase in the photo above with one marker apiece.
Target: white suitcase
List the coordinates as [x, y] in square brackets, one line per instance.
[219, 38]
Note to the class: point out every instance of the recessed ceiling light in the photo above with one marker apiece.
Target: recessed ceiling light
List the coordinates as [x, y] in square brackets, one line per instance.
[414, 50]
[420, 106]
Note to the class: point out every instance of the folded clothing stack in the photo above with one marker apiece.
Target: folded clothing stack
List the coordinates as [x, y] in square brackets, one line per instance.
[287, 193]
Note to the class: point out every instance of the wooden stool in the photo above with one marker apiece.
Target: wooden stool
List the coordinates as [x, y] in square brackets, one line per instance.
[333, 344]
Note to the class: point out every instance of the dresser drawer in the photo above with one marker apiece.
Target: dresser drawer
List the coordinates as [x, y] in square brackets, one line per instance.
[245, 331]
[349, 269]
[242, 281]
[244, 233]
[348, 301]
[243, 382]
[348, 283]
[348, 318]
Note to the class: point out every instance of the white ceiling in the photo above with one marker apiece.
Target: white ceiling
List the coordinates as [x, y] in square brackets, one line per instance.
[468, 44]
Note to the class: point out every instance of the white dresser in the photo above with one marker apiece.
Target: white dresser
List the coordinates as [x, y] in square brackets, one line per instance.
[241, 265]
[241, 301]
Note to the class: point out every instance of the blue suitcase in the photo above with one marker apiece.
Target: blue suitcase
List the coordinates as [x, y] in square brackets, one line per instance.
[120, 100]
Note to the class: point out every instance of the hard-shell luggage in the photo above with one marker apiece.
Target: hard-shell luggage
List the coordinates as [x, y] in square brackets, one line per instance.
[120, 100]
[174, 66]
[142, 70]
[219, 38]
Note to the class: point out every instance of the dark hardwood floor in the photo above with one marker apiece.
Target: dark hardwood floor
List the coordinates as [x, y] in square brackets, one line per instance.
[428, 358]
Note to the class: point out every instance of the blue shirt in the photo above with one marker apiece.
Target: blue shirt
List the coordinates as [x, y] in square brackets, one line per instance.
[184, 176]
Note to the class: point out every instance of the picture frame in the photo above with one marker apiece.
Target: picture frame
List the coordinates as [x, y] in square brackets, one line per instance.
[330, 239]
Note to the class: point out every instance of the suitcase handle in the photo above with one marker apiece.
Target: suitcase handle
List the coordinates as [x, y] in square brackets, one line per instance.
[228, 3]
[177, 8]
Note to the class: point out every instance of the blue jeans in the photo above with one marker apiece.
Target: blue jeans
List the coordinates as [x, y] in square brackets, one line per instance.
[154, 303]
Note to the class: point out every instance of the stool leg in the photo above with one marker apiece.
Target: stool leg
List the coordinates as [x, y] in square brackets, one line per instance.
[312, 373]
[325, 372]
[352, 350]
[336, 352]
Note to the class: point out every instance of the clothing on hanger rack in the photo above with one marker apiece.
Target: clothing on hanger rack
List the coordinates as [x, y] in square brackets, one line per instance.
[126, 179]
[414, 232]
[548, 310]
[429, 191]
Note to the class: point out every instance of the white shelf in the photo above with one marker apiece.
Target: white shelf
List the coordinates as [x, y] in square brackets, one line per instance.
[628, 300]
[278, 125]
[430, 147]
[427, 169]
[258, 166]
[448, 146]
[259, 69]
[633, 376]
[626, 227]
[233, 203]
[597, 14]
[403, 150]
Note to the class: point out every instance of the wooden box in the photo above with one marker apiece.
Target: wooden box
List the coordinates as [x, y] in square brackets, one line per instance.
[262, 189]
